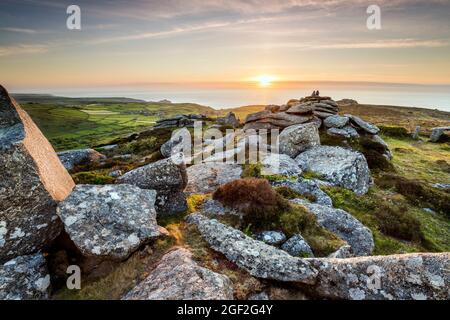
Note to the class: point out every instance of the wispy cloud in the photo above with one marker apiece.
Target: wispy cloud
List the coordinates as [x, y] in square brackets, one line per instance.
[22, 49]
[378, 44]
[19, 30]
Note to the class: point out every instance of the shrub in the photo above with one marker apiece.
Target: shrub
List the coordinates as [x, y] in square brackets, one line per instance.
[398, 223]
[251, 171]
[92, 178]
[298, 220]
[255, 198]
[394, 131]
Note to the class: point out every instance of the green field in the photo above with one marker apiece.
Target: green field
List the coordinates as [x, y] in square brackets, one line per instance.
[78, 123]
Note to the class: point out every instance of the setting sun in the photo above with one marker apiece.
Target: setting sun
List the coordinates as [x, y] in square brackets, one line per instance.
[265, 80]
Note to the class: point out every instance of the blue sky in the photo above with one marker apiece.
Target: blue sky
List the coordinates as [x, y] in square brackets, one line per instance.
[144, 42]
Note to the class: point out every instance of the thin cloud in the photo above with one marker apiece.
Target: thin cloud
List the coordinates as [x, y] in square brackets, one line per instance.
[22, 49]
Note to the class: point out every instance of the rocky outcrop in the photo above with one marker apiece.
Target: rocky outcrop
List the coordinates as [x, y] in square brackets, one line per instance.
[229, 120]
[307, 109]
[436, 133]
[168, 177]
[207, 177]
[297, 246]
[338, 166]
[306, 188]
[296, 139]
[109, 221]
[345, 226]
[179, 121]
[32, 181]
[259, 259]
[24, 278]
[71, 158]
[418, 276]
[178, 277]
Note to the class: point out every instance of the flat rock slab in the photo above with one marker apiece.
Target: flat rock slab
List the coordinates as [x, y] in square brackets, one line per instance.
[207, 177]
[419, 276]
[24, 278]
[256, 257]
[345, 226]
[339, 166]
[32, 181]
[109, 221]
[178, 277]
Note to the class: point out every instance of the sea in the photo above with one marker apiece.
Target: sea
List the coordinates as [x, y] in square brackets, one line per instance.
[422, 96]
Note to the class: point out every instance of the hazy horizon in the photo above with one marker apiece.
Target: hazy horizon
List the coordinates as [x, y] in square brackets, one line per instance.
[228, 96]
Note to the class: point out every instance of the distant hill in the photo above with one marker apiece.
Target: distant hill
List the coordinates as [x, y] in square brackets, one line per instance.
[47, 98]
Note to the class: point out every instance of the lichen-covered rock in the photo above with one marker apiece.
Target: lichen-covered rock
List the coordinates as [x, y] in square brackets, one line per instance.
[207, 177]
[345, 226]
[282, 164]
[336, 121]
[298, 138]
[339, 166]
[297, 246]
[24, 278]
[168, 177]
[358, 122]
[418, 276]
[272, 238]
[436, 133]
[71, 158]
[32, 181]
[345, 132]
[109, 221]
[259, 259]
[214, 207]
[307, 188]
[178, 277]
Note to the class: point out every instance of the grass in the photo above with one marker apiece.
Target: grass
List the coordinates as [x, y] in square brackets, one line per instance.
[420, 160]
[80, 125]
[432, 232]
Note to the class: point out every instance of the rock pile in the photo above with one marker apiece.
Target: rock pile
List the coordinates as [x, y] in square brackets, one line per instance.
[307, 109]
[179, 121]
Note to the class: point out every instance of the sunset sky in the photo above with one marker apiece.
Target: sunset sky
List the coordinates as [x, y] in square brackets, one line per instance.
[128, 43]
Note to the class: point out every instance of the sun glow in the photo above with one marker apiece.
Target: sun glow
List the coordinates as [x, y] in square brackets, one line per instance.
[265, 80]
